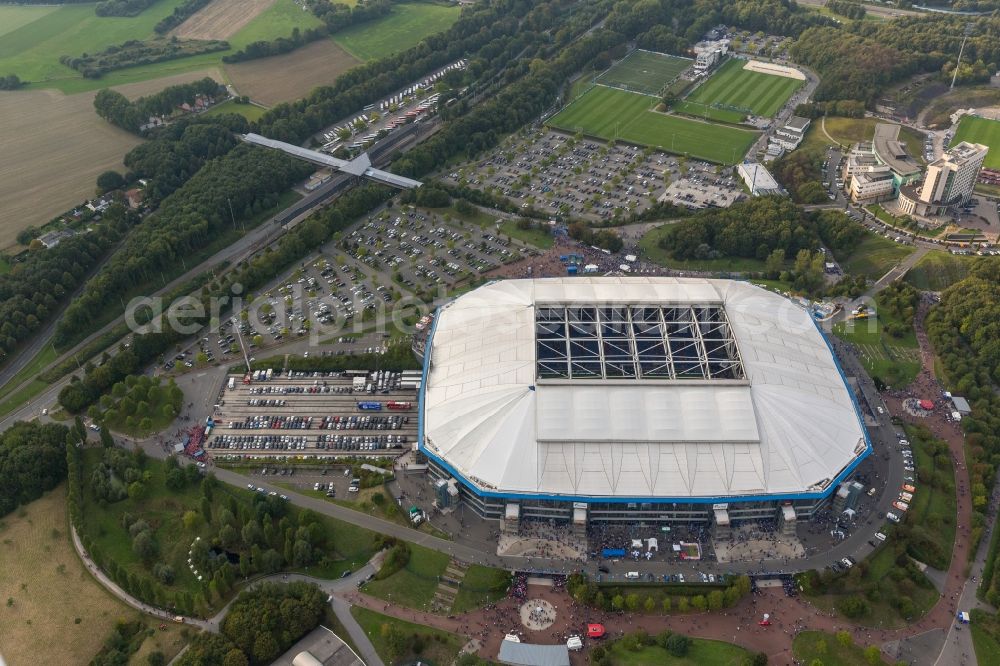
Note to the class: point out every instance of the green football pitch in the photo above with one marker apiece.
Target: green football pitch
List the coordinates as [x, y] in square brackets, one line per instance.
[608, 113]
[644, 71]
[733, 87]
[981, 130]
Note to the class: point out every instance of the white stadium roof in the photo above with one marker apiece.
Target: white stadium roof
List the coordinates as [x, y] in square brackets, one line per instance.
[636, 387]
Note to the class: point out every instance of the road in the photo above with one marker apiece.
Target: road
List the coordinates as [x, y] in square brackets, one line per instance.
[875, 10]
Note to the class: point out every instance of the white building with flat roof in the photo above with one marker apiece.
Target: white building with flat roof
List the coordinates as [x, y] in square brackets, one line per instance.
[949, 181]
[758, 179]
[871, 184]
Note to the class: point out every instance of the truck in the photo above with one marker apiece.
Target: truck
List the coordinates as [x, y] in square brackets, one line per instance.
[232, 383]
[399, 406]
[370, 406]
[270, 373]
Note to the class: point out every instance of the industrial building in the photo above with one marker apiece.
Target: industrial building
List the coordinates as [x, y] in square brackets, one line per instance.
[948, 182]
[655, 399]
[758, 179]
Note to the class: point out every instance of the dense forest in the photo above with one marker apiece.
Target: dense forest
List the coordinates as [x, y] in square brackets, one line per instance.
[32, 461]
[34, 289]
[180, 14]
[758, 227]
[260, 625]
[852, 10]
[965, 330]
[176, 153]
[241, 184]
[118, 110]
[122, 7]
[136, 52]
[800, 172]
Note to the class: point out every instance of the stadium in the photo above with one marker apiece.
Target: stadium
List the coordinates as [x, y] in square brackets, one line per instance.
[623, 399]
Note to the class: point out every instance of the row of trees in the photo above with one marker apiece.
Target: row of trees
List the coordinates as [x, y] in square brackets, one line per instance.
[32, 461]
[234, 187]
[758, 227]
[122, 7]
[130, 115]
[260, 625]
[587, 592]
[10, 82]
[335, 17]
[179, 15]
[852, 10]
[136, 52]
[34, 289]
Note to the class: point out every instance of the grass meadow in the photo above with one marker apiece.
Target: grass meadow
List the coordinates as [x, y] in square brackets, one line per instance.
[407, 25]
[609, 113]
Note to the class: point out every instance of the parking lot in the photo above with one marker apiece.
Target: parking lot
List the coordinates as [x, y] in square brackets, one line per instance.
[563, 175]
[315, 414]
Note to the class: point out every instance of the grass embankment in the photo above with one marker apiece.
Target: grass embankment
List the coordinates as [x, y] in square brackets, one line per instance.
[875, 256]
[938, 270]
[414, 585]
[406, 26]
[430, 645]
[810, 647]
[481, 586]
[847, 131]
[57, 613]
[701, 652]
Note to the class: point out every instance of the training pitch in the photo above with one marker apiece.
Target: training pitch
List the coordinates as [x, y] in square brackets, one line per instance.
[644, 71]
[609, 113]
[733, 88]
[981, 130]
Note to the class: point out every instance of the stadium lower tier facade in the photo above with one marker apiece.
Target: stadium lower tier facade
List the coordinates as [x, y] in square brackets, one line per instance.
[634, 399]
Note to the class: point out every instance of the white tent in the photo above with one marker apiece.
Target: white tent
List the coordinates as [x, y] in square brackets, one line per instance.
[652, 544]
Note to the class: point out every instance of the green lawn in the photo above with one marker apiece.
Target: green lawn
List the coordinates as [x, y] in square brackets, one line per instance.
[825, 648]
[33, 38]
[938, 270]
[981, 130]
[650, 250]
[851, 130]
[709, 113]
[536, 237]
[987, 647]
[607, 113]
[251, 112]
[732, 86]
[439, 647]
[896, 361]
[4, 266]
[933, 507]
[481, 586]
[702, 652]
[875, 256]
[414, 585]
[405, 27]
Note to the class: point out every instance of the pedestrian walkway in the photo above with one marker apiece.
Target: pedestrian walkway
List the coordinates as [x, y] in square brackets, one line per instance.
[447, 589]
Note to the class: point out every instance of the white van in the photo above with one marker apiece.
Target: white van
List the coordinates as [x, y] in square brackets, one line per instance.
[574, 643]
[632, 575]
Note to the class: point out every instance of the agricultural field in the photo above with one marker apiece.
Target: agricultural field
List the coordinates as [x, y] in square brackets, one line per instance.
[60, 614]
[407, 25]
[741, 91]
[54, 148]
[981, 130]
[289, 76]
[32, 39]
[644, 71]
[609, 113]
[220, 19]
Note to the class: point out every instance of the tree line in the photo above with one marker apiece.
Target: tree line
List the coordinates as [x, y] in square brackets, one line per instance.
[236, 186]
[10, 82]
[335, 18]
[122, 7]
[852, 10]
[34, 289]
[131, 115]
[179, 15]
[32, 461]
[965, 330]
[136, 52]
